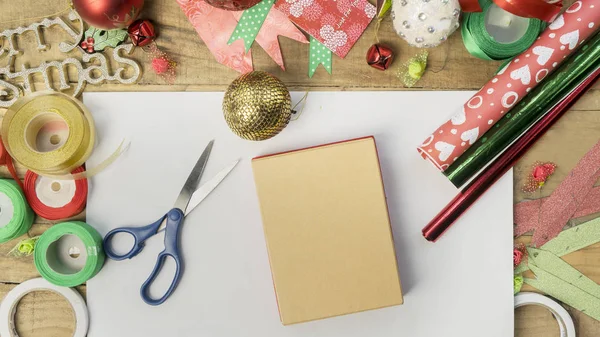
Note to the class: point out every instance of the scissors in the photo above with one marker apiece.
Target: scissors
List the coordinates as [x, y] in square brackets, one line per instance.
[170, 222]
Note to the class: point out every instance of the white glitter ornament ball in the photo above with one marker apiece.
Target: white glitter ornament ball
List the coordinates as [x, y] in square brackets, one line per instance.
[425, 23]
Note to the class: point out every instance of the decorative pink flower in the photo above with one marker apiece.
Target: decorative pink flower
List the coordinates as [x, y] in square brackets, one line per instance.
[160, 65]
[517, 257]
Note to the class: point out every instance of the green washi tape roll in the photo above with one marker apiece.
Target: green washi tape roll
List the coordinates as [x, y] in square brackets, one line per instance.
[16, 216]
[495, 34]
[69, 253]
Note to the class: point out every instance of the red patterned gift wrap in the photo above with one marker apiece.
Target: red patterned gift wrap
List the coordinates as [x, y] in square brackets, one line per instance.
[336, 24]
[511, 84]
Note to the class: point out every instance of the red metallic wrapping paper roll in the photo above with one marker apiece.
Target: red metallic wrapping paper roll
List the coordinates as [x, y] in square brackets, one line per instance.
[511, 84]
[54, 199]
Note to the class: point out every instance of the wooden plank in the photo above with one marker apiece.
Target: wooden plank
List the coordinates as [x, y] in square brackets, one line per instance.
[199, 71]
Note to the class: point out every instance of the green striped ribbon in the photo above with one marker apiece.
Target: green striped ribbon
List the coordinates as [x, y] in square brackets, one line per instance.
[250, 23]
[49, 255]
[481, 44]
[318, 54]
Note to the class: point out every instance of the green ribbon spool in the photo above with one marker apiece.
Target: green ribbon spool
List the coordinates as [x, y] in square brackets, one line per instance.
[69, 253]
[481, 44]
[16, 217]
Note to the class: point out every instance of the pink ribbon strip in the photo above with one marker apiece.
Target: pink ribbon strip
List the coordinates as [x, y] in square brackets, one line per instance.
[214, 26]
[538, 9]
[574, 197]
[276, 24]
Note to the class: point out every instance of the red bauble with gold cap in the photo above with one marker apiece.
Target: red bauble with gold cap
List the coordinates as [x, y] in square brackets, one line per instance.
[108, 14]
[232, 5]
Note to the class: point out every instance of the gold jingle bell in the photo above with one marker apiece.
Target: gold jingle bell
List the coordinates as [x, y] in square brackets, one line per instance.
[257, 106]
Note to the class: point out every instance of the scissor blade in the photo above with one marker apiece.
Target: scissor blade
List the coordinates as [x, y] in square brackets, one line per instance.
[193, 180]
[208, 187]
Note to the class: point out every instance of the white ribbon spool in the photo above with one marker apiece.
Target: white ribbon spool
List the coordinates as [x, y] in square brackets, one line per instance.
[8, 307]
[565, 322]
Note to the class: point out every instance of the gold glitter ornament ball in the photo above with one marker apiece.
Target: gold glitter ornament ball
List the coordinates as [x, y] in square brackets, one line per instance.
[257, 106]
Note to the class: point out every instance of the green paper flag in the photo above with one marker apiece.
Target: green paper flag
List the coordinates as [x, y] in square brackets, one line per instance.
[558, 279]
[570, 240]
[318, 54]
[250, 23]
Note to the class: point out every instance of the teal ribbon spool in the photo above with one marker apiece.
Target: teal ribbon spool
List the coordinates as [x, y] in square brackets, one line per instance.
[69, 253]
[480, 43]
[16, 217]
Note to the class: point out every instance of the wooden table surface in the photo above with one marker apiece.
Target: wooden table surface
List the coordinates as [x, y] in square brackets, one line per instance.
[450, 68]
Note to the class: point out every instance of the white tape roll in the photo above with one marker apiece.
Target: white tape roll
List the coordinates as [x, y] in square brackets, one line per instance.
[565, 322]
[8, 307]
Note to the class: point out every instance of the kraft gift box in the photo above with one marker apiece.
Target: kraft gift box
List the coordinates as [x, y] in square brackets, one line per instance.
[327, 230]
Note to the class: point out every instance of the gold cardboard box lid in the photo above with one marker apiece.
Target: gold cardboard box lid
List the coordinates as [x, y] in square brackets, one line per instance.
[327, 230]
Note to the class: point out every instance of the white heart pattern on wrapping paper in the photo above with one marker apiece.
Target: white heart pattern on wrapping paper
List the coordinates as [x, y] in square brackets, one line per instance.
[558, 23]
[470, 135]
[523, 74]
[459, 118]
[543, 53]
[332, 38]
[571, 39]
[445, 150]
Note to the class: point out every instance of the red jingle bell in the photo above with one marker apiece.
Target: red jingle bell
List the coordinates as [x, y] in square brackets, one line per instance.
[141, 32]
[380, 56]
[233, 5]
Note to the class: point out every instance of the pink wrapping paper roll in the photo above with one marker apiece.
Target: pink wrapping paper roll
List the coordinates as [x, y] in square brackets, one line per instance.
[511, 84]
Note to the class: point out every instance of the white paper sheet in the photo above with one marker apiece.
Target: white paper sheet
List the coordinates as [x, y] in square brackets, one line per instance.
[460, 286]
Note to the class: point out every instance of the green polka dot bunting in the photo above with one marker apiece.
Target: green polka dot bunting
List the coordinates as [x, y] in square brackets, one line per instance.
[318, 54]
[250, 23]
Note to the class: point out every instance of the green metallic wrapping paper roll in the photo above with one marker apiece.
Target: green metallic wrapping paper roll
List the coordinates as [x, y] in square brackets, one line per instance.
[527, 112]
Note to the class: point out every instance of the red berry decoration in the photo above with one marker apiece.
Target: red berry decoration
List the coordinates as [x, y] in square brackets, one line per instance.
[380, 56]
[88, 45]
[141, 32]
[233, 5]
[108, 14]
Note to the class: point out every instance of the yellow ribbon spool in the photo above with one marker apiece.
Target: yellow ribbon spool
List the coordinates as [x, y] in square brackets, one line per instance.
[50, 133]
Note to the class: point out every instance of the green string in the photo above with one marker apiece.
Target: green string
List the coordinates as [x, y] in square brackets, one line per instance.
[250, 23]
[318, 54]
[481, 44]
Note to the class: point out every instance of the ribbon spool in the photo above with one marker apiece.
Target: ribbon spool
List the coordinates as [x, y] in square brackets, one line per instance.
[16, 216]
[50, 133]
[565, 322]
[54, 199]
[496, 34]
[8, 306]
[69, 253]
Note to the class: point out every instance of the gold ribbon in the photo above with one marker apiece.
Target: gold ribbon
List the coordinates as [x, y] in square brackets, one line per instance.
[26, 118]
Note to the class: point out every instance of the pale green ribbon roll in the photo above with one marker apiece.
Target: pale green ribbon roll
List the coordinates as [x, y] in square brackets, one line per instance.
[16, 216]
[51, 257]
[481, 44]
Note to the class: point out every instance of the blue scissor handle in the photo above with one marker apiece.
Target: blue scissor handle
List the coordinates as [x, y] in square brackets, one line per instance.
[140, 234]
[174, 220]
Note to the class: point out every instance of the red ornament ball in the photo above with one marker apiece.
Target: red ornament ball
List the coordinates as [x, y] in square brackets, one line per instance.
[108, 14]
[141, 32]
[380, 56]
[232, 5]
